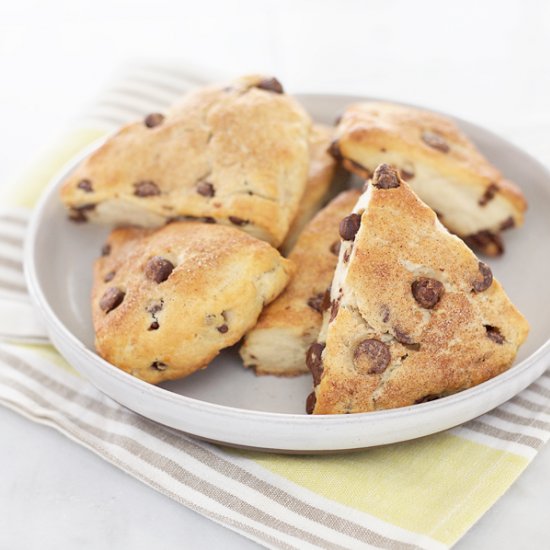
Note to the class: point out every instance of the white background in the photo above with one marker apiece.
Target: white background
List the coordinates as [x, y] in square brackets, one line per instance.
[485, 61]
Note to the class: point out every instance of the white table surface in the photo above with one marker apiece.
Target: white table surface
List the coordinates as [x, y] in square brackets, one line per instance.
[488, 62]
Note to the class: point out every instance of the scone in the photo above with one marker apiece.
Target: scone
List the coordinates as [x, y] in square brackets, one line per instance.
[414, 315]
[324, 182]
[286, 328]
[447, 172]
[235, 155]
[166, 301]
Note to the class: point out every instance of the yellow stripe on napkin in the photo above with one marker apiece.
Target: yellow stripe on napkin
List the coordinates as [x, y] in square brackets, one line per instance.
[437, 486]
[27, 189]
[48, 352]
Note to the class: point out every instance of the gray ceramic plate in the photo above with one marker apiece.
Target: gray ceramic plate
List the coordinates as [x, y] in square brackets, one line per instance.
[229, 404]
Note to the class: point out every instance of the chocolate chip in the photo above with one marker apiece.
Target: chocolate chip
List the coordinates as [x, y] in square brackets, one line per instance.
[334, 306]
[493, 333]
[271, 85]
[385, 177]
[85, 185]
[334, 150]
[106, 249]
[206, 189]
[146, 188]
[314, 362]
[385, 313]
[406, 174]
[337, 120]
[402, 337]
[203, 219]
[349, 226]
[347, 254]
[487, 241]
[372, 356]
[486, 279]
[111, 299]
[326, 300]
[426, 398]
[406, 340]
[310, 402]
[158, 269]
[175, 219]
[435, 141]
[508, 223]
[489, 194]
[77, 216]
[78, 213]
[427, 292]
[335, 247]
[109, 277]
[155, 307]
[223, 328]
[237, 221]
[316, 302]
[356, 168]
[159, 365]
[154, 119]
[415, 346]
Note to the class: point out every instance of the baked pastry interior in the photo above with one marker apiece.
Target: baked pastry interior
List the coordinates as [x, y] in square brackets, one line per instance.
[442, 166]
[278, 343]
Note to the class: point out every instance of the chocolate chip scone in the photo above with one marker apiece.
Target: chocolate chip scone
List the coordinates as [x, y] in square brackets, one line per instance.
[286, 328]
[323, 183]
[236, 155]
[414, 315]
[442, 166]
[166, 301]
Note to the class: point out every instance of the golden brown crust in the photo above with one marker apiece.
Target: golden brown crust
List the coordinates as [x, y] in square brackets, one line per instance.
[440, 164]
[322, 170]
[180, 318]
[439, 322]
[228, 153]
[286, 328]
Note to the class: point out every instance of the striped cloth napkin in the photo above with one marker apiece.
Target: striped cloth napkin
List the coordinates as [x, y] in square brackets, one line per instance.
[420, 494]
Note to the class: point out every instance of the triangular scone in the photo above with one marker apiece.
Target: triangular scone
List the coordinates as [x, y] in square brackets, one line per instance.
[325, 180]
[286, 328]
[236, 155]
[442, 166]
[414, 314]
[166, 301]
